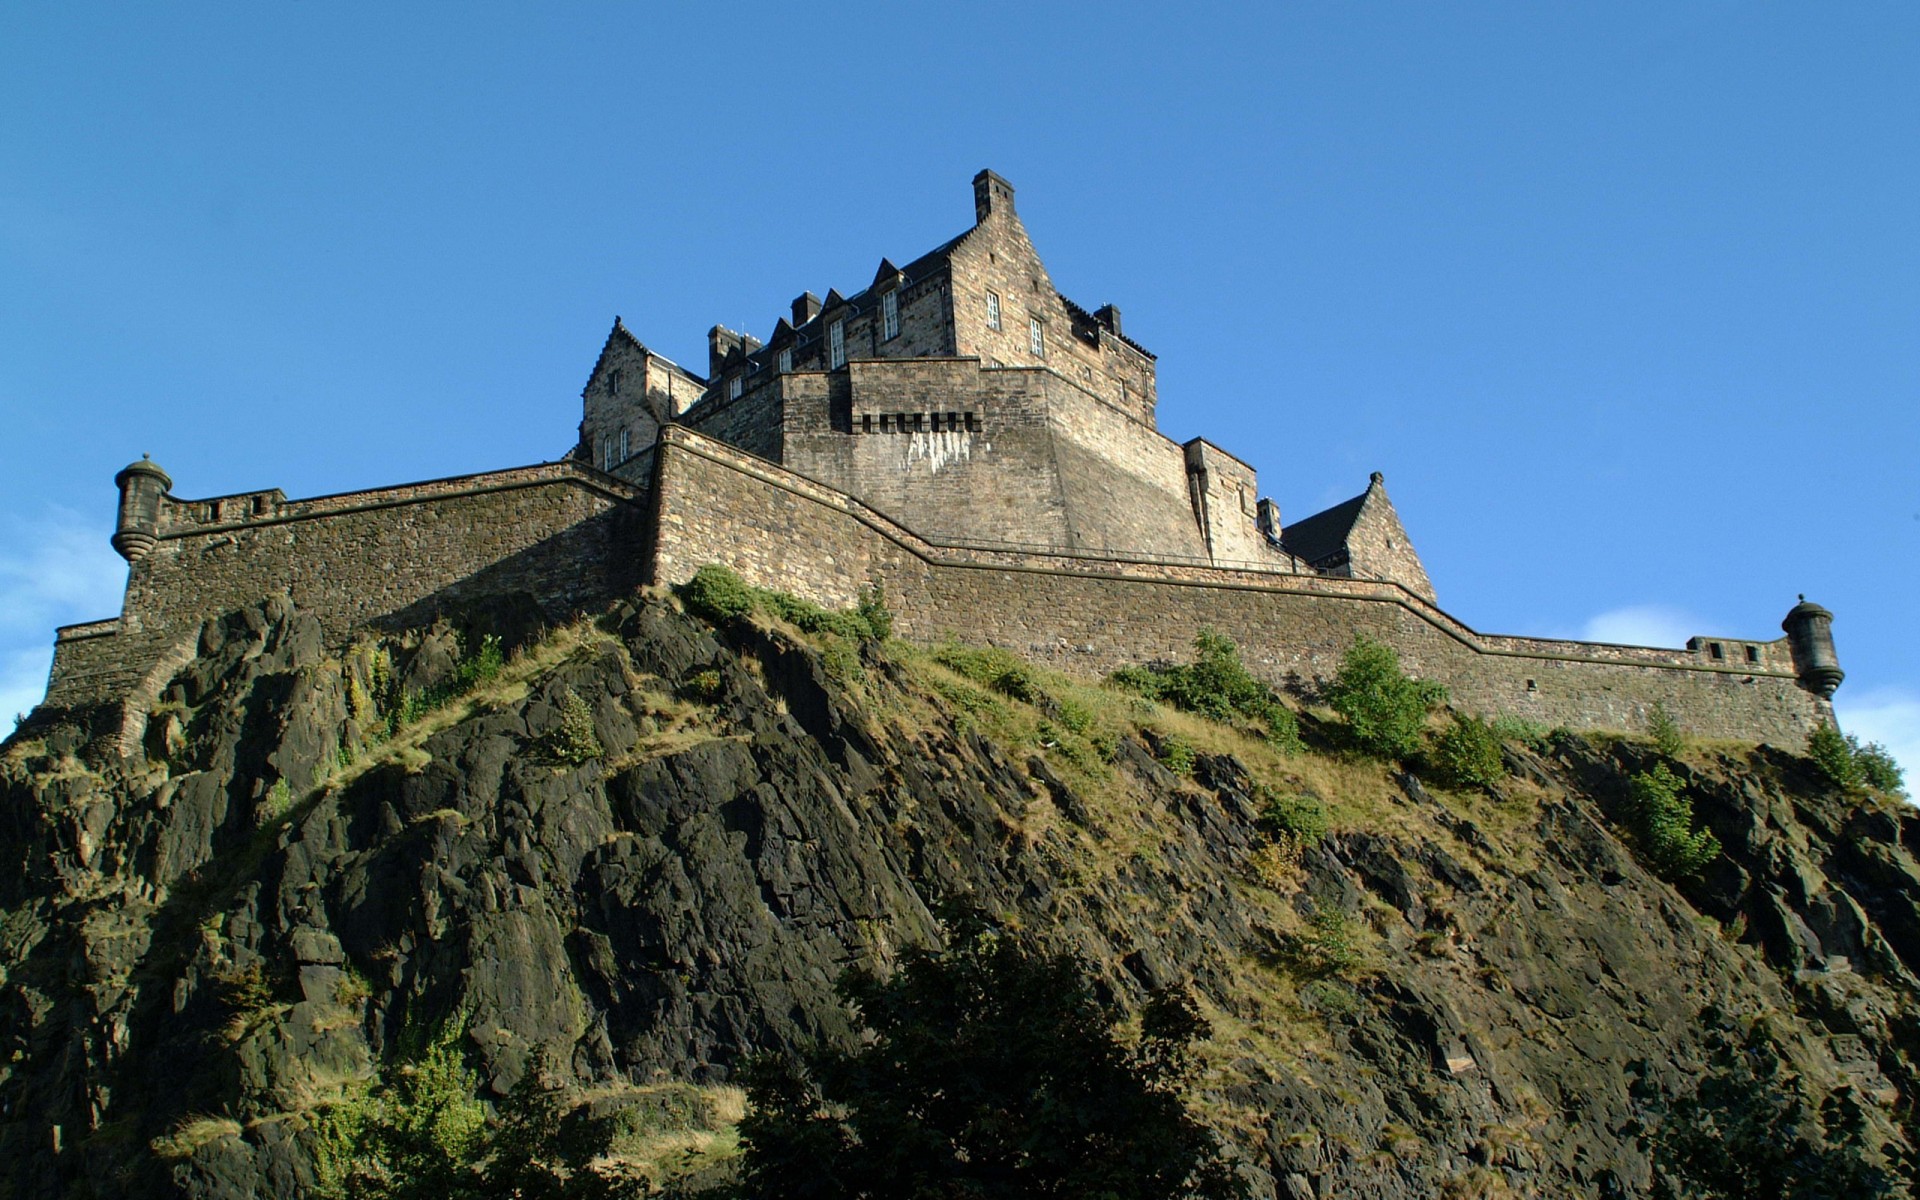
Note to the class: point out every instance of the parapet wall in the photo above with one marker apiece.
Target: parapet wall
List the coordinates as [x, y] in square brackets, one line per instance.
[560, 534]
[1088, 614]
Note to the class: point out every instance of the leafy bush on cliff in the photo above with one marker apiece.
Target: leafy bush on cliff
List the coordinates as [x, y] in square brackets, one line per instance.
[1385, 709]
[1216, 685]
[1850, 766]
[719, 595]
[1668, 738]
[1296, 815]
[420, 1133]
[1663, 818]
[990, 1069]
[1466, 754]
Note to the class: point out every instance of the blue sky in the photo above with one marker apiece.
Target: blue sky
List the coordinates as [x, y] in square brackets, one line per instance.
[1623, 298]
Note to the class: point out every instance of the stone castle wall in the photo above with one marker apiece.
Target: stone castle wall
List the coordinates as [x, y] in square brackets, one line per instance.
[1091, 615]
[566, 537]
[571, 538]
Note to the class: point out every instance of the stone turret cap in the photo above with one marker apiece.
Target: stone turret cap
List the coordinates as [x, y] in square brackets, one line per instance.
[1806, 608]
[146, 466]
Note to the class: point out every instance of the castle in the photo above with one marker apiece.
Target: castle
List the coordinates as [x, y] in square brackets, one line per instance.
[957, 431]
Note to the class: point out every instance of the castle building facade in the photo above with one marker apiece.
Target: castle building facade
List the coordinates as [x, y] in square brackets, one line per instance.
[959, 431]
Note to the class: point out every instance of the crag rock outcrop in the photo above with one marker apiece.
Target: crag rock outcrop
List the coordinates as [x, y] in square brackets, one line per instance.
[204, 941]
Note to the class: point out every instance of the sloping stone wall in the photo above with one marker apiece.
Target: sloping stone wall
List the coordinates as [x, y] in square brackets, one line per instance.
[1092, 615]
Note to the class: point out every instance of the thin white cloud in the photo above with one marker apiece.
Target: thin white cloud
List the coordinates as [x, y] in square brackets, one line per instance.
[1643, 625]
[1889, 716]
[55, 569]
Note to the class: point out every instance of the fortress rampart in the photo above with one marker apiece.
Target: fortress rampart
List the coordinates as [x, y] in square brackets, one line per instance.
[1090, 614]
[560, 534]
[959, 431]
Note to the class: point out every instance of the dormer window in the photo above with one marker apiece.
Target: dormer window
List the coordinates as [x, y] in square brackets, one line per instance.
[783, 362]
[1036, 338]
[993, 310]
[836, 345]
[734, 386]
[890, 316]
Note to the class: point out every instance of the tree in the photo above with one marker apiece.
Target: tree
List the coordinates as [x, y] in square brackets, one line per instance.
[989, 1070]
[1385, 709]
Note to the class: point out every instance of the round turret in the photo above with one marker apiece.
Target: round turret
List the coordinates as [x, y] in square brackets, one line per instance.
[141, 485]
[1810, 633]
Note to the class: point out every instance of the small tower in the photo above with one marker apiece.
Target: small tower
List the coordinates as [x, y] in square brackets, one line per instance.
[1810, 633]
[141, 485]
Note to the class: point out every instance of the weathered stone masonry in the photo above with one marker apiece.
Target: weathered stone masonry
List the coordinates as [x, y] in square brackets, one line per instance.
[959, 431]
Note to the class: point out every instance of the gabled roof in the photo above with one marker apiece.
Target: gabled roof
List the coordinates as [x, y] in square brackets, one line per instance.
[619, 334]
[1324, 534]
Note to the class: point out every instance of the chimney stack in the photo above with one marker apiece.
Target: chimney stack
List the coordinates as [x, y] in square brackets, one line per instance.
[806, 307]
[991, 194]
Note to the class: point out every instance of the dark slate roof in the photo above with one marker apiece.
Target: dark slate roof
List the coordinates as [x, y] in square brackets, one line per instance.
[1324, 534]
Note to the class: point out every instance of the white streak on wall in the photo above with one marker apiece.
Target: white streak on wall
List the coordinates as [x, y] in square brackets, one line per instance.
[940, 449]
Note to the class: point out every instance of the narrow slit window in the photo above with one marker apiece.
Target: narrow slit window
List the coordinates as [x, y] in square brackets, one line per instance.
[973, 423]
[866, 422]
[623, 446]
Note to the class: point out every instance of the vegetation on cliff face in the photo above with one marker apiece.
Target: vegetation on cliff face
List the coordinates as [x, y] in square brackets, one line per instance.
[622, 859]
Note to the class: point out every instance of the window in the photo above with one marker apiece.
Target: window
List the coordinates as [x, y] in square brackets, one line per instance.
[613, 383]
[623, 445]
[836, 345]
[1715, 649]
[734, 387]
[1036, 338]
[1753, 654]
[606, 454]
[784, 362]
[890, 316]
[993, 310]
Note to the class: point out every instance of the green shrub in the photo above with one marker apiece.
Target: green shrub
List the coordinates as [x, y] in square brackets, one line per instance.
[1832, 755]
[1665, 731]
[1300, 816]
[1176, 755]
[1384, 708]
[717, 594]
[1851, 766]
[1878, 768]
[992, 668]
[1531, 734]
[1218, 686]
[279, 800]
[702, 687]
[1327, 948]
[873, 610]
[419, 1132]
[574, 740]
[483, 666]
[1467, 754]
[1663, 818]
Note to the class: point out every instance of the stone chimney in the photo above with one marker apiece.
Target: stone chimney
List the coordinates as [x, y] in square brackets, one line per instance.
[991, 194]
[1109, 315]
[806, 307]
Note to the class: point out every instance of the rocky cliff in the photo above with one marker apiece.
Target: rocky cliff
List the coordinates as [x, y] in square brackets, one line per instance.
[637, 849]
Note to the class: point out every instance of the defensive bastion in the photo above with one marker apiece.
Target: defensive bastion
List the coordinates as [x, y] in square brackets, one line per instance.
[959, 432]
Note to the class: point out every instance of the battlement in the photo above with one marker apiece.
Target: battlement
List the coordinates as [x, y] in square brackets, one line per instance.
[957, 430]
